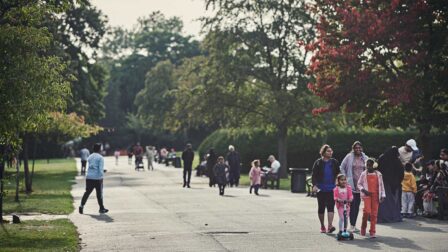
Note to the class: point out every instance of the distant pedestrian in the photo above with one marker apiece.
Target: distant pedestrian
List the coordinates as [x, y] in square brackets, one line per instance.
[84, 154]
[255, 176]
[221, 171]
[130, 154]
[94, 179]
[187, 158]
[211, 161]
[371, 185]
[234, 162]
[150, 155]
[325, 171]
[117, 156]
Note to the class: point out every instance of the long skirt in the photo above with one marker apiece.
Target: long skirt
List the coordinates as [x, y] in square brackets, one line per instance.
[390, 210]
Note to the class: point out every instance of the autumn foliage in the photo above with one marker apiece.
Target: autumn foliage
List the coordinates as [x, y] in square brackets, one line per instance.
[374, 56]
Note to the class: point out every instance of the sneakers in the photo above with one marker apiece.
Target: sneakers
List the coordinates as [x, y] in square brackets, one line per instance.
[104, 210]
[331, 229]
[353, 229]
[323, 230]
[372, 235]
[81, 209]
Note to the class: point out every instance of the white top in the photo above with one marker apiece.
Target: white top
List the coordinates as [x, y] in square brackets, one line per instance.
[275, 166]
[405, 157]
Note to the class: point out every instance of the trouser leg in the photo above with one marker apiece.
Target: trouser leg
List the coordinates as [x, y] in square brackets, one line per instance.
[374, 213]
[366, 211]
[89, 188]
[185, 176]
[99, 192]
[411, 201]
[354, 208]
[341, 218]
[188, 176]
[256, 189]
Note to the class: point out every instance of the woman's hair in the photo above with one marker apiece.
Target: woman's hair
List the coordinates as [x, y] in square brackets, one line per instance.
[339, 177]
[356, 143]
[256, 162]
[323, 149]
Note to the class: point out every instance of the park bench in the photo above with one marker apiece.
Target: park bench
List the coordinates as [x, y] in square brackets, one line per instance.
[273, 179]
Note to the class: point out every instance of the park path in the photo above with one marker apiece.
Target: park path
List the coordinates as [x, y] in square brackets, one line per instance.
[150, 211]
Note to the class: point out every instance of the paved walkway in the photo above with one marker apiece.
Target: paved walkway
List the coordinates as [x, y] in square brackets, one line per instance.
[150, 211]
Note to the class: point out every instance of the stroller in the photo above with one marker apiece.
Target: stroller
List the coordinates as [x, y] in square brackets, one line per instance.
[139, 163]
[345, 235]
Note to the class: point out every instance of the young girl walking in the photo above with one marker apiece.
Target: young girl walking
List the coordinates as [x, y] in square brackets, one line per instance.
[255, 176]
[343, 194]
[371, 185]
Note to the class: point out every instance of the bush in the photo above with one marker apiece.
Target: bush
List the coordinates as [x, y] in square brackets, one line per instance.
[303, 149]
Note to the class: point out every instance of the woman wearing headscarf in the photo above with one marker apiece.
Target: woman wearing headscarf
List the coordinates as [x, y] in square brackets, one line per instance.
[352, 166]
[393, 172]
[211, 161]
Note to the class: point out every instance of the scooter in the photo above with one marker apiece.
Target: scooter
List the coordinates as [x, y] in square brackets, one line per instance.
[345, 235]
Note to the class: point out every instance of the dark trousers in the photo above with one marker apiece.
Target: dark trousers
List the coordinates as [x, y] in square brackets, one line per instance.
[234, 178]
[325, 200]
[255, 187]
[187, 174]
[221, 188]
[96, 184]
[441, 194]
[83, 166]
[354, 208]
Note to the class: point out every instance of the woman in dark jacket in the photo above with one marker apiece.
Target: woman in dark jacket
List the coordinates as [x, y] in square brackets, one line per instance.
[325, 171]
[392, 169]
[211, 161]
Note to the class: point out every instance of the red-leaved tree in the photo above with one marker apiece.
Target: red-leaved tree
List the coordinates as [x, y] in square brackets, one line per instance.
[386, 59]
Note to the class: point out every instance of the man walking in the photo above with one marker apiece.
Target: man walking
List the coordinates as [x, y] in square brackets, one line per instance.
[84, 153]
[94, 179]
[187, 158]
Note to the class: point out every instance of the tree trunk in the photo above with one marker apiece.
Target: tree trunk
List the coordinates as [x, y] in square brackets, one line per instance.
[26, 168]
[34, 160]
[17, 177]
[282, 136]
[425, 145]
[2, 169]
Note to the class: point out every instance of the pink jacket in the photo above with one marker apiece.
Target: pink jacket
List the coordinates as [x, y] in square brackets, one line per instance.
[338, 195]
[362, 184]
[255, 176]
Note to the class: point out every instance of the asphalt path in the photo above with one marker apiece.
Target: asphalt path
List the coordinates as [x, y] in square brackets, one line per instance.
[151, 211]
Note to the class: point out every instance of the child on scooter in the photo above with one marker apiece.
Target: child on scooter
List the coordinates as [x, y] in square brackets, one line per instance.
[342, 195]
[371, 185]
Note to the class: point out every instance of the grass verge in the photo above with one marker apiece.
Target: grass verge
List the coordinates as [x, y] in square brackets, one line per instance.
[51, 195]
[55, 235]
[285, 184]
[51, 189]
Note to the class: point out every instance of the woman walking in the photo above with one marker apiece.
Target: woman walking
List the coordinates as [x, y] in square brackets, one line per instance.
[211, 161]
[352, 166]
[325, 171]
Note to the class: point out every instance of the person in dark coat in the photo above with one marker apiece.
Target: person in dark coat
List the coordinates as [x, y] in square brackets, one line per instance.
[234, 162]
[187, 158]
[390, 166]
[211, 161]
[221, 171]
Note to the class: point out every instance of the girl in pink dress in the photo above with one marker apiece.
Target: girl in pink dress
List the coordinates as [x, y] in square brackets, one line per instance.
[255, 176]
[342, 193]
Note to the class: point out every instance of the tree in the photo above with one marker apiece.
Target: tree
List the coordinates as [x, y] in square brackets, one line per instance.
[77, 33]
[155, 39]
[386, 59]
[254, 69]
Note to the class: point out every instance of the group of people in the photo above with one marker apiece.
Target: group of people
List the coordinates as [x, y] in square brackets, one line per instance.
[387, 187]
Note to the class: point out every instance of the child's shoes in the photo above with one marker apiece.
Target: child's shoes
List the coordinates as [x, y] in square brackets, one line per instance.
[372, 235]
[323, 230]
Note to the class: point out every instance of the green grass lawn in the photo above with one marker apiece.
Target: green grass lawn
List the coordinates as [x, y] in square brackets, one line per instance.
[51, 194]
[55, 235]
[285, 184]
[51, 189]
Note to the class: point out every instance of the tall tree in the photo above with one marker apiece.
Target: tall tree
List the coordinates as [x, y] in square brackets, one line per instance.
[254, 68]
[386, 59]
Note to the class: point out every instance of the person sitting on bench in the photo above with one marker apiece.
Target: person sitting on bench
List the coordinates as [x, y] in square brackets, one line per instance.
[271, 172]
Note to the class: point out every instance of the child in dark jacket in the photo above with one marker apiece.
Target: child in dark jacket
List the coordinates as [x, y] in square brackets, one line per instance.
[221, 171]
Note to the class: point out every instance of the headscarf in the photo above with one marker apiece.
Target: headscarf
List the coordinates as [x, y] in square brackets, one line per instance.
[391, 168]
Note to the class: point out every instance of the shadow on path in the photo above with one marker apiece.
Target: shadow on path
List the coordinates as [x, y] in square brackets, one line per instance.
[102, 217]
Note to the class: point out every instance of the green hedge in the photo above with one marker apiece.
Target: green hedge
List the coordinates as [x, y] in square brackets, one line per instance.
[303, 150]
